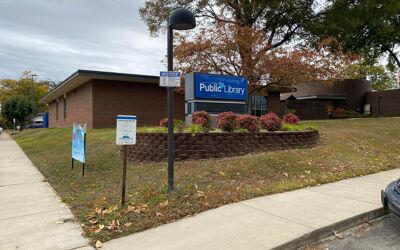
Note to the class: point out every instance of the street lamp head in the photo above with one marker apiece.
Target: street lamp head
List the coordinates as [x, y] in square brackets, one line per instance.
[182, 19]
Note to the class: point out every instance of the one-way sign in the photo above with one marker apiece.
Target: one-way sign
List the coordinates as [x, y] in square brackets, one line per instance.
[170, 79]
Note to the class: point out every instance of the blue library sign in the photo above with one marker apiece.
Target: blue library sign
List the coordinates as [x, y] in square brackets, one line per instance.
[209, 86]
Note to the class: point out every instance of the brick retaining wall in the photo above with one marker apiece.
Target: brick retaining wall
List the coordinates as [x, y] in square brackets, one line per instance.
[152, 147]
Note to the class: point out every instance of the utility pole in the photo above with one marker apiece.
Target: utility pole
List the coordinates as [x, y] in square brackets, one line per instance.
[33, 97]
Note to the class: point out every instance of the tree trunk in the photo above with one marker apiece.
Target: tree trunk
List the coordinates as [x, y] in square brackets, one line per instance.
[394, 56]
[22, 125]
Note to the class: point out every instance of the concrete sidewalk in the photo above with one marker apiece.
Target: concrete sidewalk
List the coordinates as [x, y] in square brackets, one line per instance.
[31, 214]
[277, 221]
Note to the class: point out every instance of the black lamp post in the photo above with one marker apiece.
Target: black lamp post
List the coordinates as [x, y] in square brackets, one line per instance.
[180, 19]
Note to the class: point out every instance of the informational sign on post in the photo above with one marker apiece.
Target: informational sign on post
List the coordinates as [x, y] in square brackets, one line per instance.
[126, 135]
[78, 142]
[79, 145]
[126, 130]
[170, 79]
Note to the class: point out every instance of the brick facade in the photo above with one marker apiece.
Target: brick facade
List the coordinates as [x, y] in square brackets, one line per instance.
[147, 101]
[389, 102]
[98, 102]
[152, 147]
[79, 108]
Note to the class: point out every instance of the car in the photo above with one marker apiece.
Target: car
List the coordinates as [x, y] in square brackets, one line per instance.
[390, 197]
[1, 130]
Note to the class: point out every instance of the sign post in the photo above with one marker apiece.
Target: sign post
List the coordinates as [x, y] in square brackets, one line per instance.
[126, 135]
[14, 123]
[170, 79]
[79, 145]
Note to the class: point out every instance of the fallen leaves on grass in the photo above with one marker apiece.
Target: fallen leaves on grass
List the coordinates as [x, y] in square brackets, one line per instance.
[128, 224]
[164, 204]
[98, 230]
[113, 225]
[136, 209]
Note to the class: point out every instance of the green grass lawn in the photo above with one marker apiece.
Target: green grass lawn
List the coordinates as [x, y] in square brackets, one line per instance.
[347, 148]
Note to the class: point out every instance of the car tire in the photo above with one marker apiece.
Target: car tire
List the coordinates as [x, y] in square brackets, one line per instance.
[384, 199]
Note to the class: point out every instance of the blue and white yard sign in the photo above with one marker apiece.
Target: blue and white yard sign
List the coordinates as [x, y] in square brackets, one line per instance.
[208, 86]
[170, 79]
[78, 142]
[126, 130]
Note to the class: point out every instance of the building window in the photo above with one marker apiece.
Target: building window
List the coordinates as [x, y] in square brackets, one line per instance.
[56, 110]
[259, 105]
[65, 108]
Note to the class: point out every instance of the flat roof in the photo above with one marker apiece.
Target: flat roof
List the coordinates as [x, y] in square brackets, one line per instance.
[82, 76]
[326, 97]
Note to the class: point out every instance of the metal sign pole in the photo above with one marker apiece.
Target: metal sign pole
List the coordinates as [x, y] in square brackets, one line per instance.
[125, 135]
[170, 105]
[84, 146]
[124, 175]
[72, 164]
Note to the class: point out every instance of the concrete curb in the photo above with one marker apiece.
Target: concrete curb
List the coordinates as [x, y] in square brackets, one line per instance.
[324, 232]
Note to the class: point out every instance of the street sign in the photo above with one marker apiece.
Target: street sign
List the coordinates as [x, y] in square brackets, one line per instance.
[170, 79]
[126, 130]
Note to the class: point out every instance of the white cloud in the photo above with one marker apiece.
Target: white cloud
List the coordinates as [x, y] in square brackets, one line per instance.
[54, 38]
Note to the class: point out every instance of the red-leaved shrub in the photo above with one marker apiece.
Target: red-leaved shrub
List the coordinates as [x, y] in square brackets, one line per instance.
[270, 122]
[202, 118]
[164, 122]
[249, 122]
[177, 123]
[226, 121]
[291, 118]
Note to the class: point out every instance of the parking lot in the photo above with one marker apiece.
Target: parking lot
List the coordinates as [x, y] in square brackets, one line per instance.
[382, 234]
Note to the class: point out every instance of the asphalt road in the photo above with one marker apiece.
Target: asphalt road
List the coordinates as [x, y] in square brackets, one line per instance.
[382, 234]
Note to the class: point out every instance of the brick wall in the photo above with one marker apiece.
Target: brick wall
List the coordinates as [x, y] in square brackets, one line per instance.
[389, 102]
[152, 147]
[147, 101]
[274, 102]
[79, 108]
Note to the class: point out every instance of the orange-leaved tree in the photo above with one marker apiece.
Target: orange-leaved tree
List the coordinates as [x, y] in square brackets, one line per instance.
[258, 39]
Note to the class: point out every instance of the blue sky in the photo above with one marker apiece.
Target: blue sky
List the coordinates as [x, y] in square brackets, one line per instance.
[54, 38]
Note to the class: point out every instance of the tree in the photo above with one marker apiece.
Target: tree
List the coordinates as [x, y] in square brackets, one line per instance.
[19, 107]
[24, 86]
[213, 50]
[380, 78]
[367, 27]
[238, 37]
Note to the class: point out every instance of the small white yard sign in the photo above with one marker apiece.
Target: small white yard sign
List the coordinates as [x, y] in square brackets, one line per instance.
[126, 130]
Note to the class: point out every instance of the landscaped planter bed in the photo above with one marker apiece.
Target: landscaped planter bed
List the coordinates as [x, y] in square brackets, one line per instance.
[152, 147]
